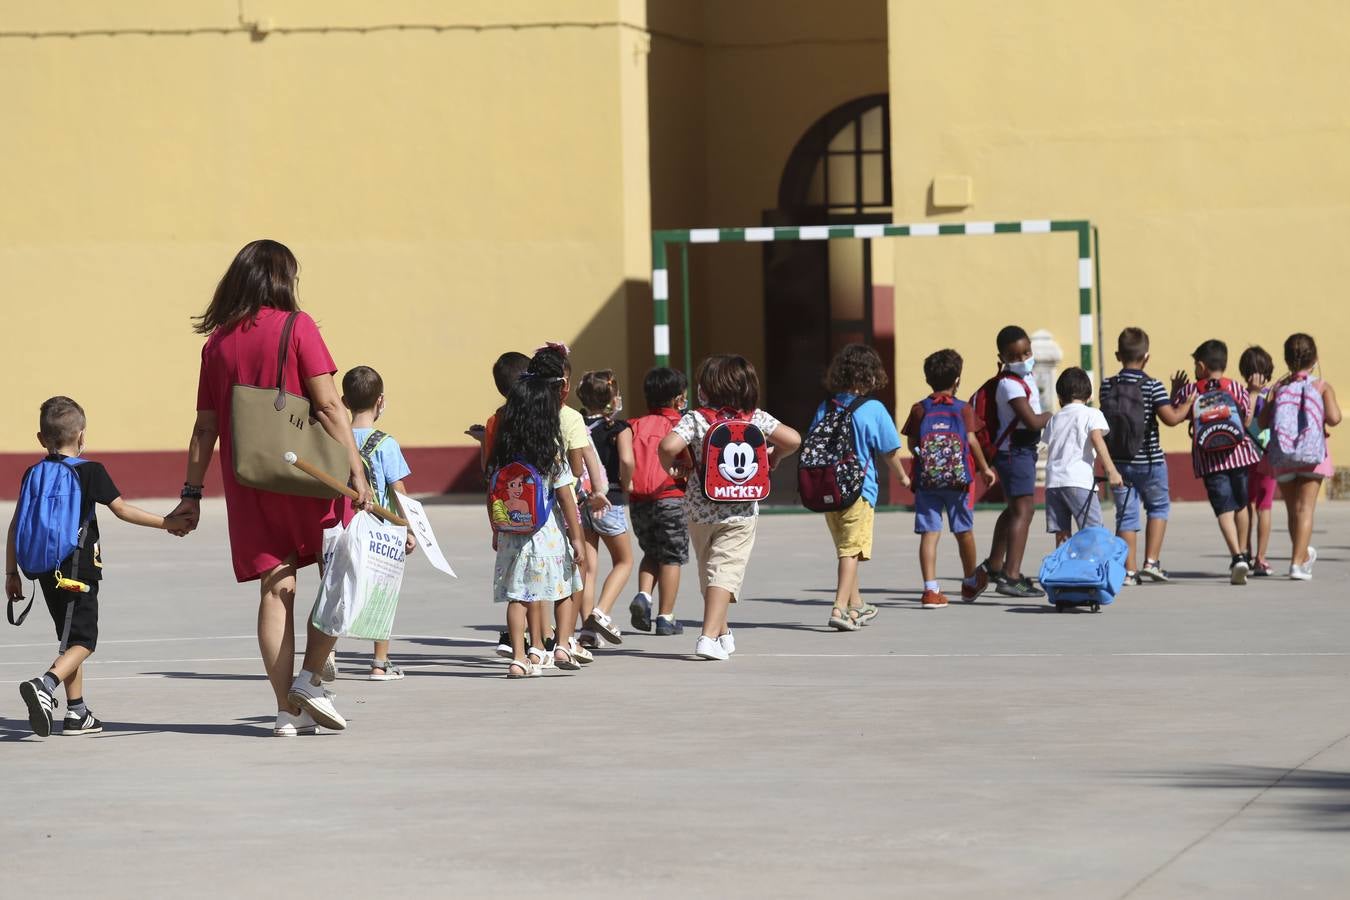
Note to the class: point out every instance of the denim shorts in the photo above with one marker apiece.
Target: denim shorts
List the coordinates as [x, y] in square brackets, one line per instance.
[1227, 490]
[1016, 468]
[1146, 484]
[930, 505]
[611, 523]
[1065, 506]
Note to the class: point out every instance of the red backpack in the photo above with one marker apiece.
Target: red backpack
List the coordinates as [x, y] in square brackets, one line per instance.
[650, 480]
[735, 465]
[985, 403]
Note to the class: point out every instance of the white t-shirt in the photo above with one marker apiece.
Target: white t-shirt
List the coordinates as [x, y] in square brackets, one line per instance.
[1010, 389]
[1070, 460]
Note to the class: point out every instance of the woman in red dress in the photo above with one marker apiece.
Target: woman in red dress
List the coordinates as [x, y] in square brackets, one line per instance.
[271, 535]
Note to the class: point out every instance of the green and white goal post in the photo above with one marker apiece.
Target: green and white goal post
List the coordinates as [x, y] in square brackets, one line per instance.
[1088, 261]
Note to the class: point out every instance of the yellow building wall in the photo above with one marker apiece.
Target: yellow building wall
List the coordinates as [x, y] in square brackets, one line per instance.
[1208, 140]
[763, 72]
[456, 180]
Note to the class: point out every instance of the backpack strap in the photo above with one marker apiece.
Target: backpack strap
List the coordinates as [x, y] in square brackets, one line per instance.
[283, 353]
[74, 462]
[13, 604]
[372, 443]
[1012, 426]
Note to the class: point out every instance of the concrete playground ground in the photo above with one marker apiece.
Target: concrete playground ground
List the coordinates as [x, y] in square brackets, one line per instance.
[1190, 741]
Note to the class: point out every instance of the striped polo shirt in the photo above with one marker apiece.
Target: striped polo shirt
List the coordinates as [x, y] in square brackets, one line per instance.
[1241, 456]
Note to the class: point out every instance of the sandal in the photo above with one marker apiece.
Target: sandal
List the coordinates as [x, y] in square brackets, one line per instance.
[524, 665]
[839, 621]
[566, 662]
[864, 614]
[604, 626]
[387, 671]
[580, 653]
[545, 660]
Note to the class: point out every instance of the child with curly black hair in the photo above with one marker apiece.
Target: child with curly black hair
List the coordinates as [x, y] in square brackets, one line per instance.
[534, 569]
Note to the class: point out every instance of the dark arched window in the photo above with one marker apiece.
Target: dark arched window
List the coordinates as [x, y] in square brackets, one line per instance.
[842, 165]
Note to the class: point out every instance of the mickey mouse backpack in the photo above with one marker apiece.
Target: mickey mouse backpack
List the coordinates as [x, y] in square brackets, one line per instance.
[735, 458]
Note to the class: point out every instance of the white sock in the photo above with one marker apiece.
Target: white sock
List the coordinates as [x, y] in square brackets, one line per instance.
[930, 585]
[669, 617]
[307, 677]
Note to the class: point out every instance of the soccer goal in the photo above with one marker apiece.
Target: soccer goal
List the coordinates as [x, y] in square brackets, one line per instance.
[1089, 299]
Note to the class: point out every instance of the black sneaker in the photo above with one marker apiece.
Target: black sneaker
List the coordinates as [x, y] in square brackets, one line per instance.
[40, 704]
[640, 612]
[1022, 589]
[81, 724]
[997, 579]
[668, 626]
[504, 645]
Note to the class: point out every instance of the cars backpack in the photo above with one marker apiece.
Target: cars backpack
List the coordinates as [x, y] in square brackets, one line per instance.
[942, 445]
[735, 465]
[830, 475]
[1297, 436]
[1216, 420]
[48, 526]
[650, 480]
[519, 500]
[1127, 418]
[985, 402]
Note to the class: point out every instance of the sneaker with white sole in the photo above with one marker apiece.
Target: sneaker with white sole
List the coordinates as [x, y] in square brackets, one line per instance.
[504, 645]
[329, 673]
[81, 723]
[40, 704]
[291, 725]
[640, 611]
[1300, 573]
[728, 642]
[1238, 571]
[1153, 571]
[309, 695]
[710, 648]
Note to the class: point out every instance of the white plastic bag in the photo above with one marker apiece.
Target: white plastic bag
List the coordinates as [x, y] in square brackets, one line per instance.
[363, 571]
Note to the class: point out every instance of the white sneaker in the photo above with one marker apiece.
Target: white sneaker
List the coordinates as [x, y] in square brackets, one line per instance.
[710, 648]
[329, 673]
[1237, 573]
[728, 642]
[1300, 573]
[289, 725]
[1312, 558]
[307, 693]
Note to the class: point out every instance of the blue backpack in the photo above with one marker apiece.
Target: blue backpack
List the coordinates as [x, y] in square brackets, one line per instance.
[942, 446]
[48, 525]
[1086, 570]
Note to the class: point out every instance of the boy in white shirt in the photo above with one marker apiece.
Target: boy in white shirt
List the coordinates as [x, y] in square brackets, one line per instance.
[1075, 438]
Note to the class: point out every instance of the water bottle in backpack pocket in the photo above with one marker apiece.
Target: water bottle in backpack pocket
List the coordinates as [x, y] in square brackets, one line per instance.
[519, 500]
[941, 449]
[830, 475]
[1298, 436]
[1217, 419]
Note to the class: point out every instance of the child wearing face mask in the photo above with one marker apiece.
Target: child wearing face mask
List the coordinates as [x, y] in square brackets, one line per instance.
[1016, 437]
[601, 402]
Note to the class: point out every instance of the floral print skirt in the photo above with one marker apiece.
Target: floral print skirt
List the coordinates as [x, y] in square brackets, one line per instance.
[535, 568]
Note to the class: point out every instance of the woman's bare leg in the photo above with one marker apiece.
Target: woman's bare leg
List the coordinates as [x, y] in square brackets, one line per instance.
[276, 630]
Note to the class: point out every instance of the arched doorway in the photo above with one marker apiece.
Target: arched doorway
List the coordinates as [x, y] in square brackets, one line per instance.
[818, 295]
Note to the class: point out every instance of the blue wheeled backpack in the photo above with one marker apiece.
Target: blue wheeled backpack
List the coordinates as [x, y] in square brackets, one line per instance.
[1086, 570]
[48, 526]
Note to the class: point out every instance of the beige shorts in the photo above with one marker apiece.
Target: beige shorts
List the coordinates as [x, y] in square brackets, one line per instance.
[852, 530]
[723, 551]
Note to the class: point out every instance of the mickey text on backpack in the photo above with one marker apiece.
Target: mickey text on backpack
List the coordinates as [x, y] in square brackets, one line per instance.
[735, 458]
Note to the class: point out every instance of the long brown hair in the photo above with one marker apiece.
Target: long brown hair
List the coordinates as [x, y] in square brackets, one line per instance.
[262, 275]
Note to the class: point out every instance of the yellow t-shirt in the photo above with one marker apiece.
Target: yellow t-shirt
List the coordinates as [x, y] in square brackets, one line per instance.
[575, 437]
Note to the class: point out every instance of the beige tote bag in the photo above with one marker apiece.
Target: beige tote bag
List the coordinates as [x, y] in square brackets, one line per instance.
[267, 423]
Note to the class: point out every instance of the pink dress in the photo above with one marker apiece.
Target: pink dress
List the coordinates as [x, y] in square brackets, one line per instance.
[265, 528]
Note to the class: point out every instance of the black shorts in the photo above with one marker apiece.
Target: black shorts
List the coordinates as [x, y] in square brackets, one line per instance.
[661, 529]
[80, 610]
[1227, 490]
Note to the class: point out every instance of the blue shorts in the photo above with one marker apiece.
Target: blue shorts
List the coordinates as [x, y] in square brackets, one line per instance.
[1016, 468]
[1146, 484]
[1227, 490]
[930, 505]
[611, 523]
